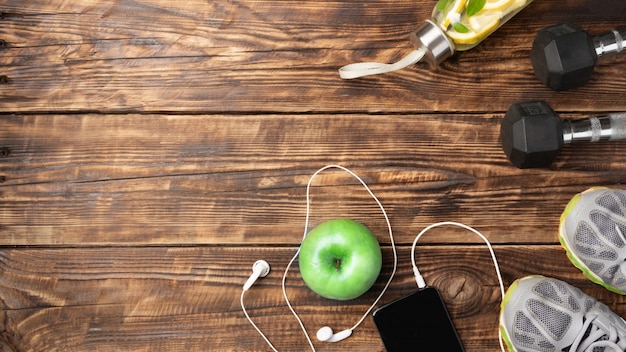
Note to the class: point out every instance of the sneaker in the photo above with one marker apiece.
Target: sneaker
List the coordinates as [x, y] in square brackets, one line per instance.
[592, 230]
[547, 315]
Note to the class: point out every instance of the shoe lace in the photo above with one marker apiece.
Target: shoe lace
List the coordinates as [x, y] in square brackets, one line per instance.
[591, 337]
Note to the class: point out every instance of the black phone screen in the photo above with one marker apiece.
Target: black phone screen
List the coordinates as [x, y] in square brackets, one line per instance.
[417, 322]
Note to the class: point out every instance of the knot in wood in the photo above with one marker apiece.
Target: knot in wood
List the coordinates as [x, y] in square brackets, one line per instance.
[465, 291]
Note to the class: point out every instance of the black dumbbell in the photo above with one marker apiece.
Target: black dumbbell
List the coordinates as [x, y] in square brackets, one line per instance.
[532, 133]
[564, 55]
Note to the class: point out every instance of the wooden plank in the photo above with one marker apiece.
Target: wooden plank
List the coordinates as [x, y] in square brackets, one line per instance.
[173, 299]
[154, 179]
[251, 56]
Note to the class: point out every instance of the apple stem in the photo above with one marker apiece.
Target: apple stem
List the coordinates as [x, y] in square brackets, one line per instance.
[337, 264]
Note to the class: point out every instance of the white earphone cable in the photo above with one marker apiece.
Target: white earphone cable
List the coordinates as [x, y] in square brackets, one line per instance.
[420, 280]
[243, 307]
[306, 225]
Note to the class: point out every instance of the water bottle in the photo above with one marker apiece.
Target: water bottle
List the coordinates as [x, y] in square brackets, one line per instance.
[455, 25]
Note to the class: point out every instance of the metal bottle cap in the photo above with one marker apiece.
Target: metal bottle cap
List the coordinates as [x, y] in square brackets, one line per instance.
[438, 45]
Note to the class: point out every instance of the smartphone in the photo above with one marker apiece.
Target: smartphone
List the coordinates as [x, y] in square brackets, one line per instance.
[416, 323]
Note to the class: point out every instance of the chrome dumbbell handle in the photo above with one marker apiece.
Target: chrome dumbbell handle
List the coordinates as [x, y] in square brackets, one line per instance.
[613, 42]
[611, 127]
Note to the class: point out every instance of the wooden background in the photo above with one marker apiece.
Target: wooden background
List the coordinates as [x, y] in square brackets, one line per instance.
[151, 151]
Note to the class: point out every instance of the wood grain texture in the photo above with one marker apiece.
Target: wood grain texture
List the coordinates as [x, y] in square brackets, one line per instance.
[172, 298]
[272, 56]
[109, 179]
[151, 151]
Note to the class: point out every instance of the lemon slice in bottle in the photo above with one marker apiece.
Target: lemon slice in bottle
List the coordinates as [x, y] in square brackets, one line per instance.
[485, 22]
[454, 14]
[480, 25]
[463, 38]
[497, 4]
[514, 5]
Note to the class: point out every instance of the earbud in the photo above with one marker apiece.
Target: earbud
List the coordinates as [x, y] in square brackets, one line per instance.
[326, 334]
[260, 268]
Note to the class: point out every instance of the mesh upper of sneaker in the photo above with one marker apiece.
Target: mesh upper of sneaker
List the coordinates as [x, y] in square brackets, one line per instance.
[594, 231]
[547, 315]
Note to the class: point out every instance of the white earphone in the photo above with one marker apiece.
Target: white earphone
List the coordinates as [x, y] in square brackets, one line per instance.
[260, 268]
[326, 334]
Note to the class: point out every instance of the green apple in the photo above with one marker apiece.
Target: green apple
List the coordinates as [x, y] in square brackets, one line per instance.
[340, 259]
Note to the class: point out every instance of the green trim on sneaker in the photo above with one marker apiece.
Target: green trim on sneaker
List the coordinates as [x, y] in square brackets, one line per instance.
[503, 331]
[591, 232]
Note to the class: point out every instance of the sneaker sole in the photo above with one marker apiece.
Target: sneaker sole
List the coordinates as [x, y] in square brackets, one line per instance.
[578, 263]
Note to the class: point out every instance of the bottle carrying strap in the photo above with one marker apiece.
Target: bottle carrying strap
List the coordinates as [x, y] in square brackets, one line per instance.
[374, 68]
